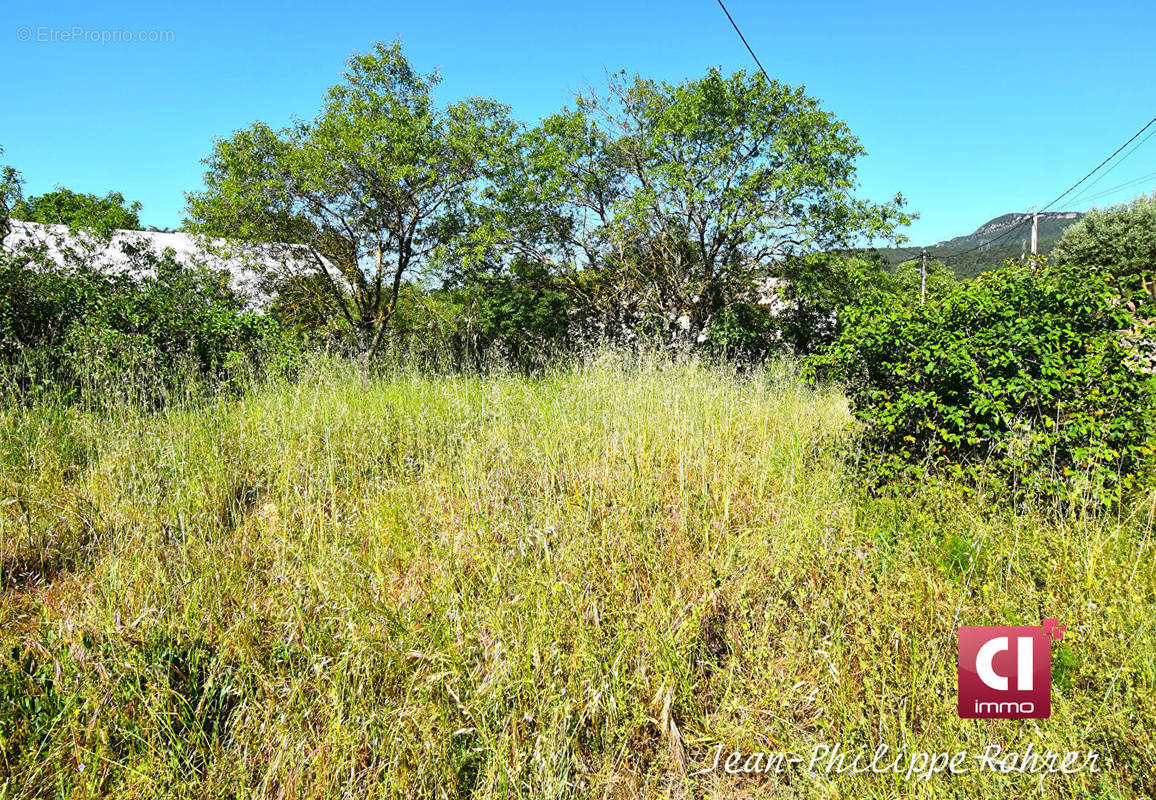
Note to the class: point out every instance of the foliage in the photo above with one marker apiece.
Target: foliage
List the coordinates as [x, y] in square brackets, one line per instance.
[523, 312]
[729, 176]
[682, 195]
[304, 304]
[11, 194]
[743, 332]
[652, 207]
[101, 215]
[1023, 373]
[370, 186]
[816, 290]
[75, 331]
[905, 279]
[1121, 239]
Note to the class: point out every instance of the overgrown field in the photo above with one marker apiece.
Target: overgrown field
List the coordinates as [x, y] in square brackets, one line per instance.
[578, 584]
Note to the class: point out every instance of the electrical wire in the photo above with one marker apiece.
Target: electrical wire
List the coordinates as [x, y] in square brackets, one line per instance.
[988, 243]
[1060, 197]
[1105, 173]
[1065, 193]
[1026, 219]
[740, 33]
[1151, 176]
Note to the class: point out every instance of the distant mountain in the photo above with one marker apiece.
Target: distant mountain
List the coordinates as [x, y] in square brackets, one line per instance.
[1006, 236]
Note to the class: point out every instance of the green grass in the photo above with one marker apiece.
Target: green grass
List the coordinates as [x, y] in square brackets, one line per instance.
[498, 586]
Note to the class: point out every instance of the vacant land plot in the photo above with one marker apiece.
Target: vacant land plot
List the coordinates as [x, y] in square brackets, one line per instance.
[579, 584]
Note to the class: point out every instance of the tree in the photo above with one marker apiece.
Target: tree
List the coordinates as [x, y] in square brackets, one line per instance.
[684, 193]
[102, 215]
[11, 193]
[372, 186]
[906, 278]
[543, 219]
[1121, 239]
[814, 293]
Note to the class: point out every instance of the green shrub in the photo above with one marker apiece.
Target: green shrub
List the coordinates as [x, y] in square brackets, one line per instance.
[63, 206]
[521, 314]
[817, 291]
[83, 334]
[1023, 375]
[743, 332]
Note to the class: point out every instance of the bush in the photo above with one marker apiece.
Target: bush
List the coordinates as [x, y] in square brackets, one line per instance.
[744, 332]
[83, 334]
[1024, 375]
[1122, 237]
[102, 215]
[521, 314]
[816, 292]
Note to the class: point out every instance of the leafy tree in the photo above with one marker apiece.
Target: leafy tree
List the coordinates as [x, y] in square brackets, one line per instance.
[680, 196]
[906, 278]
[11, 193]
[730, 177]
[1121, 239]
[102, 215]
[372, 186]
[545, 216]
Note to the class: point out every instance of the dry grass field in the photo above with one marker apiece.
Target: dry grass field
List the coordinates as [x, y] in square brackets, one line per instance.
[578, 584]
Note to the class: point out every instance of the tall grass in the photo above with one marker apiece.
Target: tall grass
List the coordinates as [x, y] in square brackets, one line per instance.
[575, 584]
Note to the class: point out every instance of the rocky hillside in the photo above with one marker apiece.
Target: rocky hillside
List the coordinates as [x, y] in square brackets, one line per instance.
[997, 239]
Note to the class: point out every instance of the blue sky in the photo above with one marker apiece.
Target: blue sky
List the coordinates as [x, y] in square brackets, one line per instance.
[970, 109]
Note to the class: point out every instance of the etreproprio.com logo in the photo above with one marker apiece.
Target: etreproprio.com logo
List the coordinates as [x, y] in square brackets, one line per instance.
[78, 34]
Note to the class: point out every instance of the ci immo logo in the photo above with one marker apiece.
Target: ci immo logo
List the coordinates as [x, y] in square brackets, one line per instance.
[1005, 671]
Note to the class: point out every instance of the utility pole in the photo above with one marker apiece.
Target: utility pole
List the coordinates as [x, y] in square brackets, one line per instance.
[1035, 226]
[922, 276]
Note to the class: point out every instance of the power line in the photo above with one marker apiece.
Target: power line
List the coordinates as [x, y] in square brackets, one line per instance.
[1125, 185]
[1102, 163]
[740, 33]
[1027, 218]
[1105, 173]
[989, 243]
[1060, 197]
[1008, 232]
